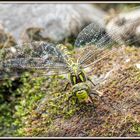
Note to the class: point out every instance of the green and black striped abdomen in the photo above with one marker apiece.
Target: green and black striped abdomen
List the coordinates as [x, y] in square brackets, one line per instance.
[67, 55]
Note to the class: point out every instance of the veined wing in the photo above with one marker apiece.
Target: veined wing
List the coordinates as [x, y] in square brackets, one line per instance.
[95, 36]
[16, 73]
[29, 56]
[126, 24]
[102, 39]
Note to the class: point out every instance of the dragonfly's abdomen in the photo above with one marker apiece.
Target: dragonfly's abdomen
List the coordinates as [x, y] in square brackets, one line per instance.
[67, 55]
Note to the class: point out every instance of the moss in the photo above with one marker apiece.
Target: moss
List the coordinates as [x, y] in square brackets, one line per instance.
[41, 100]
[38, 106]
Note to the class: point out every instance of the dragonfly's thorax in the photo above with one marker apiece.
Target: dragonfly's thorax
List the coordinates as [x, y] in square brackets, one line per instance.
[76, 75]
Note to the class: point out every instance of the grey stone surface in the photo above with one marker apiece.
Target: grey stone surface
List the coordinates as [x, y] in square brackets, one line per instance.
[125, 27]
[58, 20]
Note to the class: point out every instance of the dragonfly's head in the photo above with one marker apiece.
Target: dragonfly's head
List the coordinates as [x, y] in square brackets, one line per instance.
[81, 91]
[76, 75]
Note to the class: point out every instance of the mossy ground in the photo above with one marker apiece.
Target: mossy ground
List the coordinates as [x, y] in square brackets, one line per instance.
[38, 106]
[41, 104]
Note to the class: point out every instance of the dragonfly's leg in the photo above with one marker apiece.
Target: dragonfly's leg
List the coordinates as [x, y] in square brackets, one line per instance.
[77, 103]
[69, 101]
[66, 86]
[90, 81]
[97, 94]
[93, 104]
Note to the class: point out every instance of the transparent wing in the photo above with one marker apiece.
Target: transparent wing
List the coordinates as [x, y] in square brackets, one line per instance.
[93, 34]
[100, 44]
[12, 74]
[32, 56]
[122, 29]
[119, 31]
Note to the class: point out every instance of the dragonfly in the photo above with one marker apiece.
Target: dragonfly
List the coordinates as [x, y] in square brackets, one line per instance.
[56, 59]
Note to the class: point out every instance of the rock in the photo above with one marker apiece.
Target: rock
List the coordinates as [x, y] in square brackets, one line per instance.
[58, 21]
[125, 27]
[33, 34]
[6, 39]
